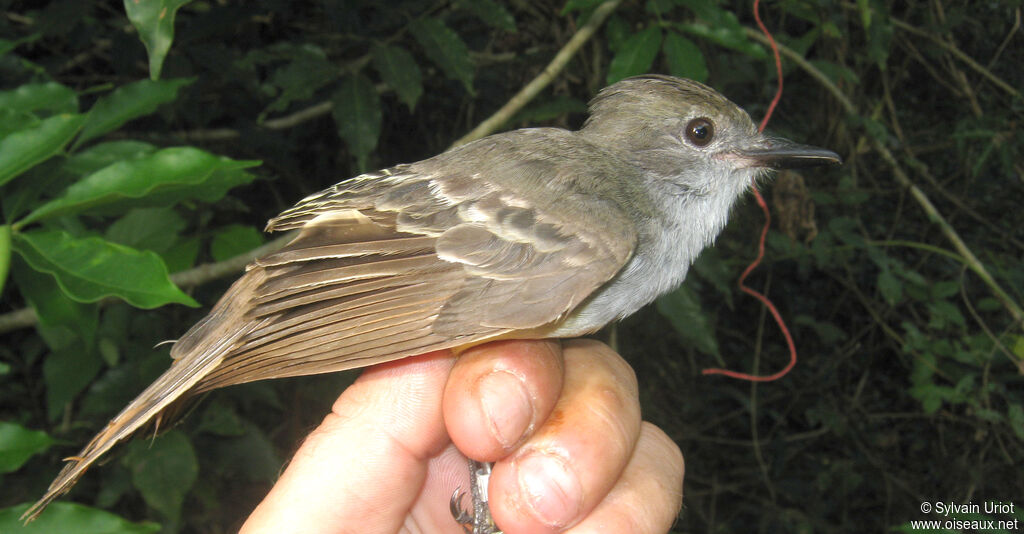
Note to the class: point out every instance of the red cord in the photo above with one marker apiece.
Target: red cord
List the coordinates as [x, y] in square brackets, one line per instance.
[764, 233]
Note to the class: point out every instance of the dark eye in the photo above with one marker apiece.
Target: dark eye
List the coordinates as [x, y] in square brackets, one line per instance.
[700, 131]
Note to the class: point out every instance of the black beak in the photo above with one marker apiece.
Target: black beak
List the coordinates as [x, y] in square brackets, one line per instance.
[782, 154]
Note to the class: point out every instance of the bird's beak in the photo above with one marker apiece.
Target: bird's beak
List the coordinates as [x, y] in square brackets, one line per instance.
[778, 153]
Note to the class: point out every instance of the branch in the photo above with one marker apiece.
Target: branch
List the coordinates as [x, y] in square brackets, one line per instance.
[922, 199]
[542, 80]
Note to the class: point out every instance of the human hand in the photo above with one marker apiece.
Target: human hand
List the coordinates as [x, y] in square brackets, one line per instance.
[561, 421]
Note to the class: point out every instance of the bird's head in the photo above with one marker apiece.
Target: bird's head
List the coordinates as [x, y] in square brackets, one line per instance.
[687, 132]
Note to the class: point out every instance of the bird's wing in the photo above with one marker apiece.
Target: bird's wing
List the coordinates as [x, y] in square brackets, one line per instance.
[387, 265]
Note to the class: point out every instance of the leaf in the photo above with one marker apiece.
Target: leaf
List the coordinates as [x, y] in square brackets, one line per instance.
[944, 313]
[636, 55]
[891, 287]
[491, 12]
[54, 308]
[18, 444]
[182, 255]
[250, 456]
[445, 48]
[233, 240]
[1015, 416]
[90, 269]
[32, 97]
[66, 373]
[725, 35]
[131, 101]
[684, 57]
[100, 155]
[357, 115]
[399, 70]
[308, 70]
[71, 518]
[154, 20]
[163, 470]
[682, 308]
[153, 229]
[945, 289]
[24, 149]
[163, 178]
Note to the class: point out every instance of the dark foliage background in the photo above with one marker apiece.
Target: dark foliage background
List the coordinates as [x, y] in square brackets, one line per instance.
[909, 387]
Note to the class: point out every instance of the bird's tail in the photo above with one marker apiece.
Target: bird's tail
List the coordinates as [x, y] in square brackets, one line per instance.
[196, 355]
[182, 375]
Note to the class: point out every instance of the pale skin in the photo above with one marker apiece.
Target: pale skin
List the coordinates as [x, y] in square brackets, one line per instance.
[561, 421]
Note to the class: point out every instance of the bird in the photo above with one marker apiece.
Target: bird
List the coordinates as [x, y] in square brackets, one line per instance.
[530, 233]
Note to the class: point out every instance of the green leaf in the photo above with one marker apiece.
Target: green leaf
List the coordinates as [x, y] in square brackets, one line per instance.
[233, 240]
[159, 179]
[100, 155]
[221, 419]
[22, 150]
[163, 470]
[154, 20]
[491, 12]
[126, 103]
[891, 287]
[182, 255]
[90, 269]
[682, 308]
[445, 48]
[71, 518]
[153, 229]
[32, 97]
[12, 121]
[727, 36]
[399, 70]
[18, 444]
[946, 289]
[944, 313]
[636, 55]
[66, 373]
[684, 57]
[54, 308]
[308, 70]
[250, 456]
[1015, 416]
[357, 115]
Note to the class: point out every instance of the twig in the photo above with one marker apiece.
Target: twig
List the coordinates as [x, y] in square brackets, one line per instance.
[1006, 41]
[542, 80]
[959, 55]
[922, 199]
[26, 317]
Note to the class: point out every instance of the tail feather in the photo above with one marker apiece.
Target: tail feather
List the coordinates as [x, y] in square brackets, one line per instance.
[180, 378]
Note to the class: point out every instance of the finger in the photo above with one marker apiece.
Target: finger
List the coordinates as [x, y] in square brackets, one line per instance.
[499, 392]
[368, 458]
[568, 466]
[648, 496]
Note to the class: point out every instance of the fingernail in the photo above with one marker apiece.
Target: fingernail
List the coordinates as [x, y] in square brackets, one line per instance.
[549, 486]
[507, 406]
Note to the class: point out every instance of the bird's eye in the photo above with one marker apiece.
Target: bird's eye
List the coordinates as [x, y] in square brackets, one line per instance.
[700, 131]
